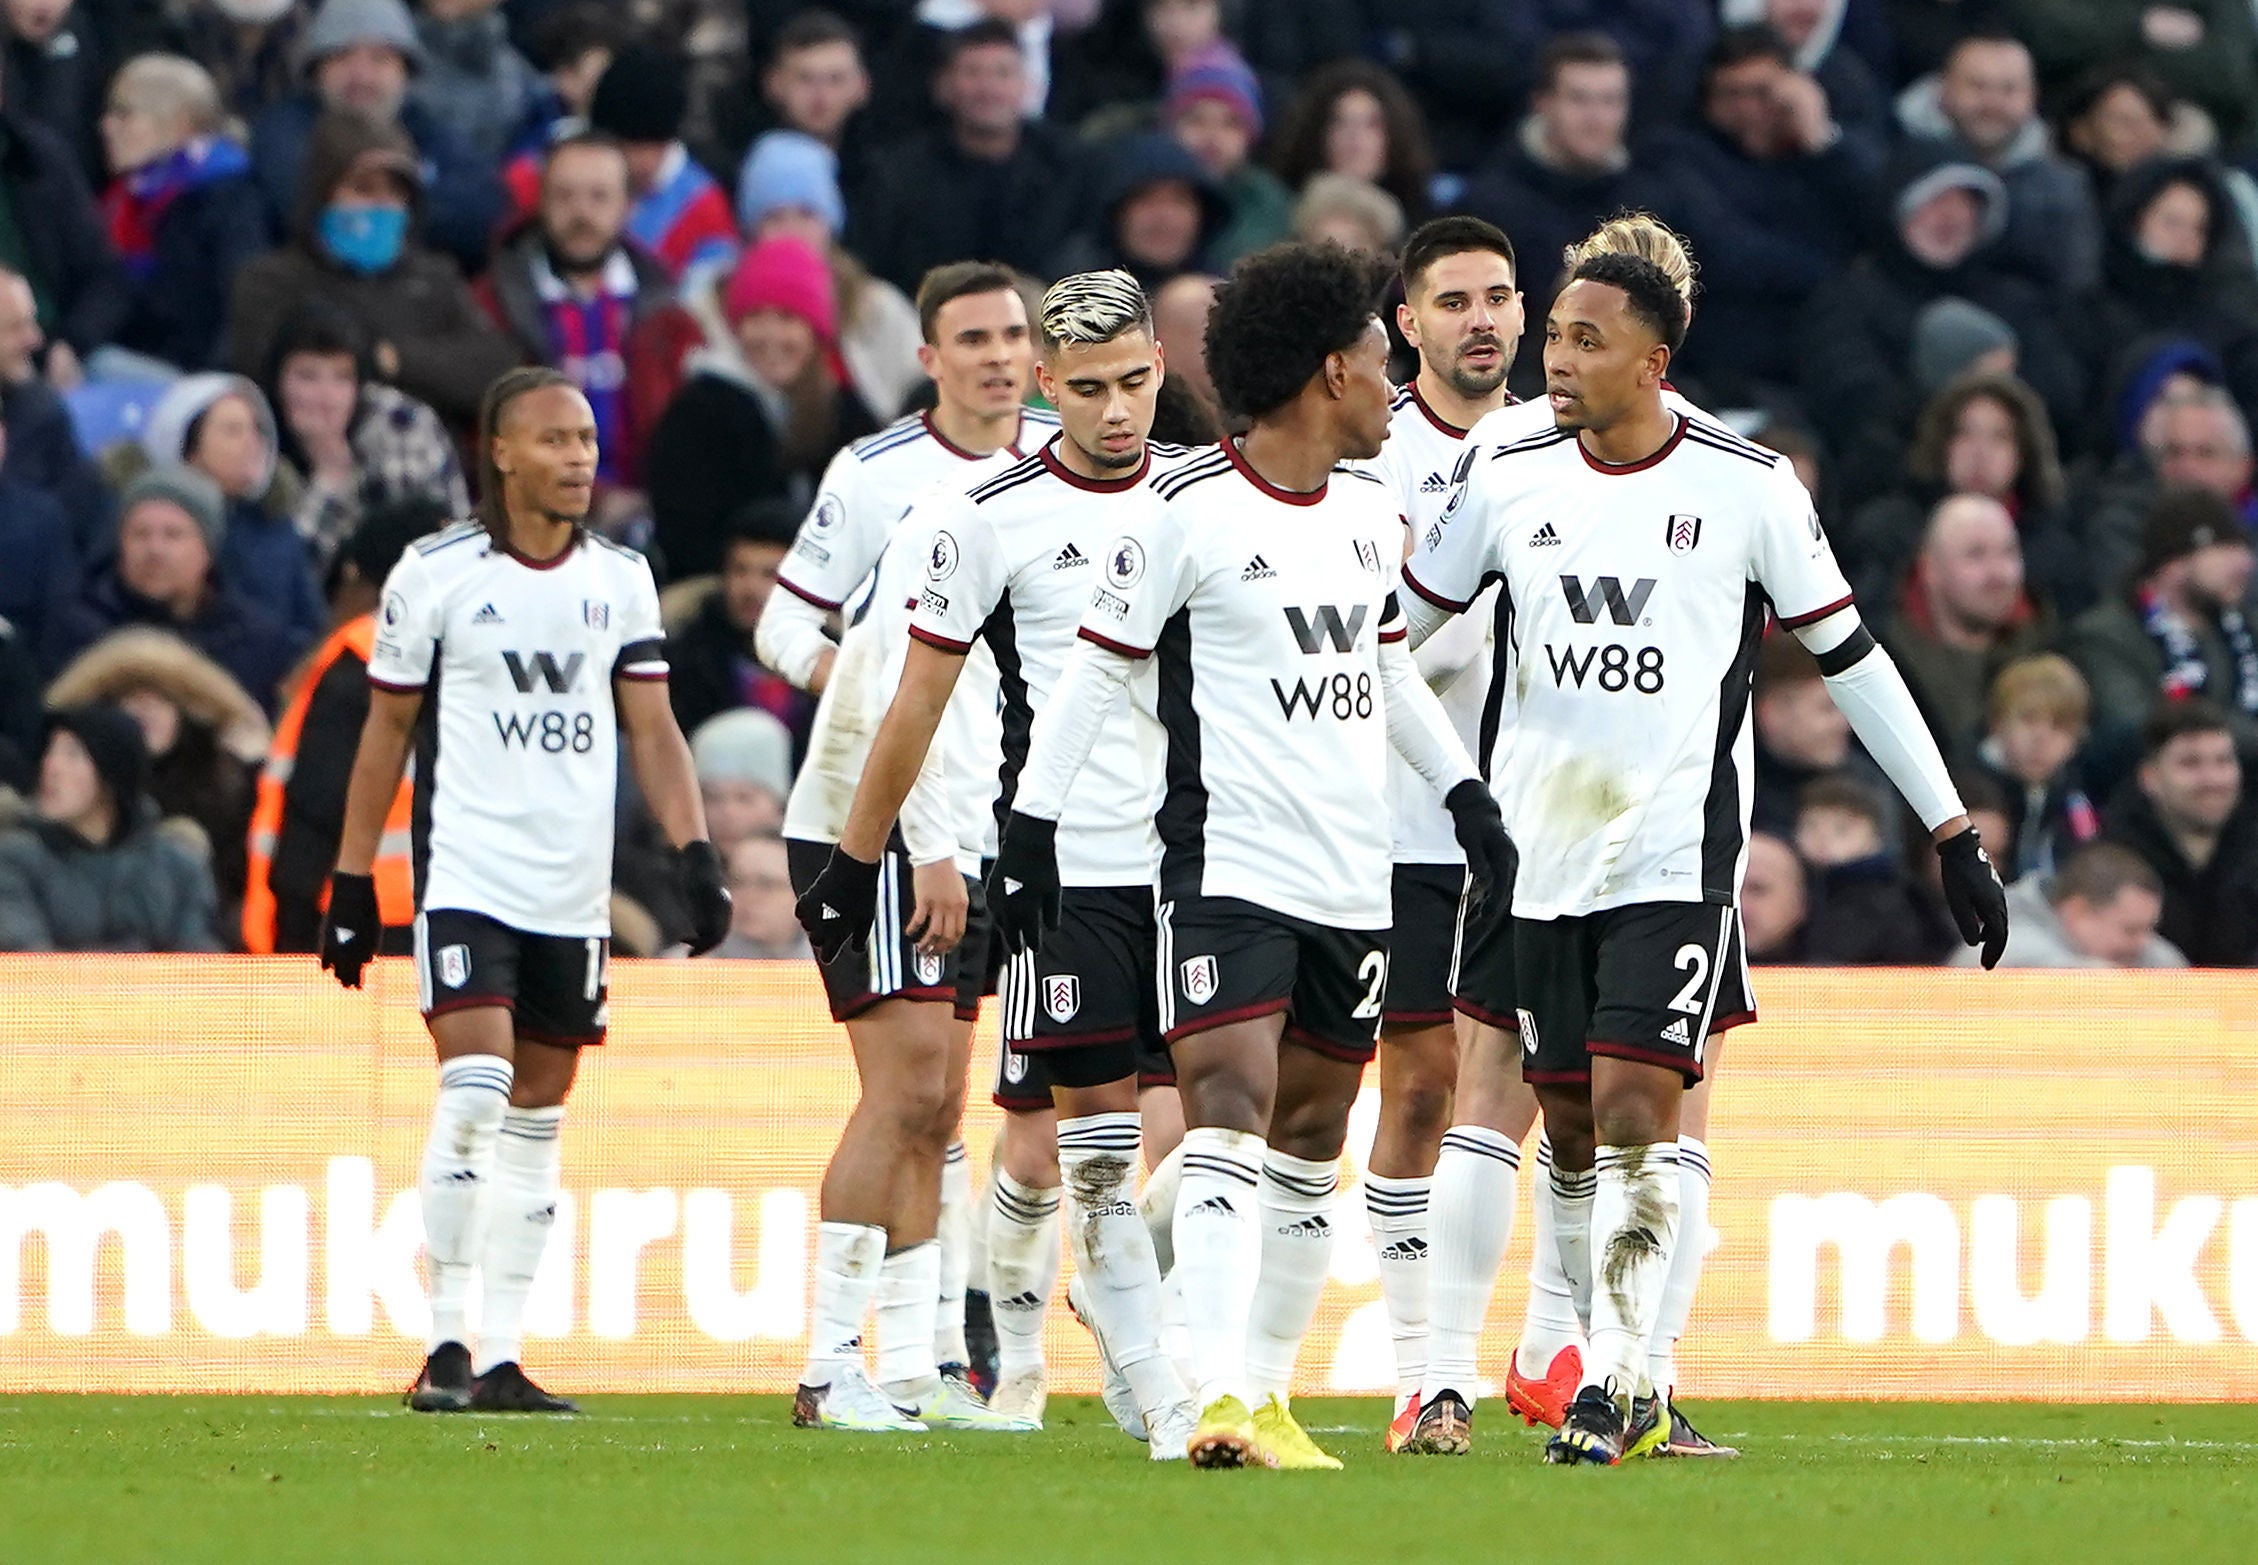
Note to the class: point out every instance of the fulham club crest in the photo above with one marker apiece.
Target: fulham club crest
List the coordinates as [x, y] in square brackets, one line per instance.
[1683, 533]
[1062, 996]
[597, 615]
[1198, 978]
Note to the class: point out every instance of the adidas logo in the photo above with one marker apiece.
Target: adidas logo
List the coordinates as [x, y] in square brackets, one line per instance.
[829, 912]
[1676, 1032]
[1545, 537]
[1307, 1228]
[1214, 1206]
[1405, 1250]
[1068, 558]
[1020, 1301]
[463, 1176]
[487, 615]
[1258, 569]
[1434, 483]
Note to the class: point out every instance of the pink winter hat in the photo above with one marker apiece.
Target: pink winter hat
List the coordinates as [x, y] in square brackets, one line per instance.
[789, 275]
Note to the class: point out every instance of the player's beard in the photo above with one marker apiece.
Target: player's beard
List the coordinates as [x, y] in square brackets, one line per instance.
[1112, 461]
[1474, 385]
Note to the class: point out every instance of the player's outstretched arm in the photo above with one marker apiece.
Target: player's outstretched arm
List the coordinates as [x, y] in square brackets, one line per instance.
[351, 926]
[669, 782]
[1865, 683]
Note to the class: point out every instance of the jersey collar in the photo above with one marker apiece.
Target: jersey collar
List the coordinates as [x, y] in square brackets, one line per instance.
[1434, 418]
[1618, 469]
[1289, 496]
[1058, 469]
[549, 564]
[955, 450]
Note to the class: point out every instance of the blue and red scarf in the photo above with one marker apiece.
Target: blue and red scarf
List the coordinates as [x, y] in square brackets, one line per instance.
[588, 339]
[137, 201]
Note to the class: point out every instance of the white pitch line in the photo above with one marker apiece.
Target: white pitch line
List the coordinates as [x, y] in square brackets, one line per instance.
[2095, 1442]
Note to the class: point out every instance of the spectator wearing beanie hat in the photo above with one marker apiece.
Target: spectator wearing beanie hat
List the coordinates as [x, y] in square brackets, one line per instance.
[679, 214]
[93, 870]
[361, 55]
[1214, 109]
[172, 525]
[763, 410]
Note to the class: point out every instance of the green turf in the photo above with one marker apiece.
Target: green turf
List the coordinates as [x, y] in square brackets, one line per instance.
[248, 1480]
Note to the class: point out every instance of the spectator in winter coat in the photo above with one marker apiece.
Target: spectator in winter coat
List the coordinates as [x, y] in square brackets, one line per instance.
[1963, 615]
[2207, 50]
[251, 47]
[60, 245]
[571, 288]
[362, 445]
[1866, 910]
[1801, 735]
[2178, 630]
[744, 765]
[52, 67]
[40, 579]
[2183, 430]
[221, 426]
[472, 81]
[811, 80]
[1157, 217]
[92, 870]
[1984, 107]
[183, 212]
[2039, 712]
[354, 244]
[2115, 119]
[1353, 118]
[1214, 110]
[988, 183]
[762, 925]
[21, 722]
[1774, 901]
[42, 445]
[172, 523]
[1661, 41]
[1829, 40]
[2099, 910]
[1340, 209]
[358, 57]
[2186, 814]
[1773, 196]
[712, 667]
[679, 214]
[761, 415]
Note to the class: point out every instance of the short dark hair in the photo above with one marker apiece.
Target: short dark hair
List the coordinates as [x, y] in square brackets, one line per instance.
[1986, 35]
[323, 329]
[589, 140]
[2089, 89]
[988, 32]
[2177, 719]
[1447, 236]
[959, 280]
[1841, 791]
[1656, 303]
[1280, 313]
[1576, 49]
[1746, 42]
[763, 521]
[812, 30]
[493, 407]
[571, 31]
[2101, 872]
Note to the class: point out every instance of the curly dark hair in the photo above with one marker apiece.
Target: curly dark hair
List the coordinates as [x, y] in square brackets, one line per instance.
[1653, 298]
[1280, 313]
[1301, 139]
[2038, 468]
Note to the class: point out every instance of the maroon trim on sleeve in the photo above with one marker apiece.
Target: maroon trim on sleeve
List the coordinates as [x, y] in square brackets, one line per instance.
[1436, 598]
[398, 690]
[806, 596]
[1816, 615]
[935, 639]
[1111, 645]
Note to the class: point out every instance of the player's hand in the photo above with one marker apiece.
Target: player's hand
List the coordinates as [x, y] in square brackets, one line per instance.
[1491, 858]
[351, 928]
[705, 885]
[1974, 895]
[838, 906]
[1023, 892]
[937, 921]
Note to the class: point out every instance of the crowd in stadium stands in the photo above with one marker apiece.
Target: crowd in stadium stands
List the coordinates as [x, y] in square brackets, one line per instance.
[1982, 268]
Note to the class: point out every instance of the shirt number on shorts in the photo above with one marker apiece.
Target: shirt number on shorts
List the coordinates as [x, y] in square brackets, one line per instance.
[1372, 972]
[1689, 998]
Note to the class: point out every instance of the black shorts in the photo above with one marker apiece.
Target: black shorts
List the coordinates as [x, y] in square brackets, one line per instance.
[1082, 1011]
[1481, 977]
[1223, 960]
[555, 987]
[1651, 982]
[891, 967]
[1422, 944]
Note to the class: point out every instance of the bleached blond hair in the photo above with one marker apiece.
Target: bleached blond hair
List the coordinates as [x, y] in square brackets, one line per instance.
[1092, 307]
[1640, 234]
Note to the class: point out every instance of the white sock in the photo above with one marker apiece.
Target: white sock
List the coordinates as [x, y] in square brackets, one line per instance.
[457, 1182]
[1156, 1204]
[1553, 1321]
[1474, 1200]
[1113, 1250]
[521, 1216]
[1634, 1229]
[847, 1260]
[954, 1236]
[1175, 1327]
[909, 1292]
[1218, 1233]
[1022, 1225]
[976, 1233]
[1397, 1210]
[1297, 1252]
[1685, 1264]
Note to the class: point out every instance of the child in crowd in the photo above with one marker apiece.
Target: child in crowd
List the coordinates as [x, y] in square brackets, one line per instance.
[2034, 732]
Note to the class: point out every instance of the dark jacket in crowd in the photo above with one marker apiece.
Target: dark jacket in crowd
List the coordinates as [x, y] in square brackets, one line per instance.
[1950, 683]
[927, 202]
[252, 71]
[1148, 158]
[1869, 913]
[239, 636]
[462, 201]
[39, 567]
[20, 717]
[43, 451]
[711, 669]
[2050, 822]
[448, 350]
[313, 803]
[52, 232]
[2211, 913]
[208, 231]
[1885, 534]
[59, 84]
[2125, 667]
[263, 557]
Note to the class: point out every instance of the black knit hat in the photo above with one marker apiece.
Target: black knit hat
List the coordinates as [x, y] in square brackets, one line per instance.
[2183, 521]
[120, 755]
[642, 95]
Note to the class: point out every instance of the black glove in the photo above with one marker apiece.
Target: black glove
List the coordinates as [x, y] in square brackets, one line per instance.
[1491, 857]
[351, 928]
[1023, 895]
[1973, 893]
[839, 905]
[705, 886]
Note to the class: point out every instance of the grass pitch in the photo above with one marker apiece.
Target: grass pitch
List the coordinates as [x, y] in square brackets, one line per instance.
[249, 1480]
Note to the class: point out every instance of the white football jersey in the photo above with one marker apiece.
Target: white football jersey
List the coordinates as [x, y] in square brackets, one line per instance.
[1417, 465]
[867, 490]
[1263, 612]
[517, 762]
[1635, 596]
[1013, 564]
